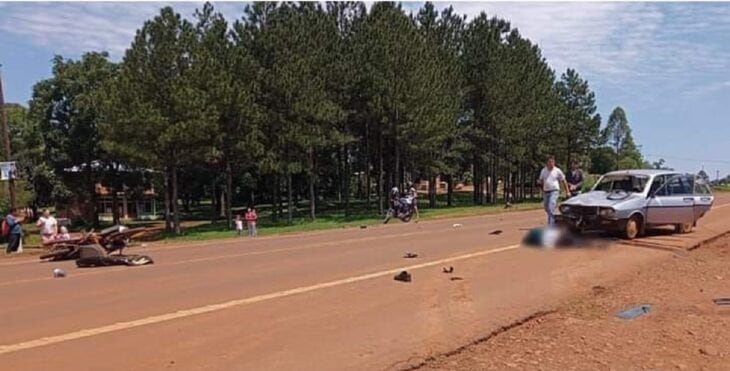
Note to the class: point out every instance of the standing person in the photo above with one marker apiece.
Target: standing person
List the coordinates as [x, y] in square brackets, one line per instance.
[251, 218]
[412, 198]
[48, 225]
[550, 178]
[574, 179]
[63, 235]
[239, 225]
[15, 230]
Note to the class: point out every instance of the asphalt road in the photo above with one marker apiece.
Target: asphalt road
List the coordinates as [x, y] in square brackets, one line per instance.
[324, 301]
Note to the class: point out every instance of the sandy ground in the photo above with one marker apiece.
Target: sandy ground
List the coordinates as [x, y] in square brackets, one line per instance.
[685, 330]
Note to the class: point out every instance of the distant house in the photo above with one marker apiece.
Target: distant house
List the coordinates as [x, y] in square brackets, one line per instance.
[131, 206]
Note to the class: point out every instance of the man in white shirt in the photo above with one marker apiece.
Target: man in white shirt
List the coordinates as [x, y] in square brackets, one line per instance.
[49, 226]
[550, 179]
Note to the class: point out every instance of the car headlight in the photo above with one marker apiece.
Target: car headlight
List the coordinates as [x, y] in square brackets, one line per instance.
[606, 212]
[564, 209]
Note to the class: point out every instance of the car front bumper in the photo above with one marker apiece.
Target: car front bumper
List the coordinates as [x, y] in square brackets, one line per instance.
[589, 222]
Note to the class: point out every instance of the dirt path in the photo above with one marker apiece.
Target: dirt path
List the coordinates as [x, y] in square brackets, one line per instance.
[685, 330]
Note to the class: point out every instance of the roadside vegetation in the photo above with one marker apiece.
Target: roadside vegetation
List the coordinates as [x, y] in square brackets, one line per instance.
[315, 110]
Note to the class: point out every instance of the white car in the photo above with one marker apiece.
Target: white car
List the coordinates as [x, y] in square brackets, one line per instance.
[629, 201]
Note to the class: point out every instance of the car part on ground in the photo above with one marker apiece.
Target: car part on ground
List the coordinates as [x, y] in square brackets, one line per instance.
[403, 276]
[634, 312]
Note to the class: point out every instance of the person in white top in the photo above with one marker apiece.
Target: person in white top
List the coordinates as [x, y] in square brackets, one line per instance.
[550, 179]
[49, 226]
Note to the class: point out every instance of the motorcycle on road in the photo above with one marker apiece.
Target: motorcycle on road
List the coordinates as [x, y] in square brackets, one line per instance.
[401, 209]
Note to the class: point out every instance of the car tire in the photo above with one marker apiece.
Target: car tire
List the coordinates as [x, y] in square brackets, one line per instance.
[683, 228]
[632, 228]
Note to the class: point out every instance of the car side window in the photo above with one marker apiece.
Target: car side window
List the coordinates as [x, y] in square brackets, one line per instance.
[677, 185]
[689, 185]
[701, 188]
[656, 184]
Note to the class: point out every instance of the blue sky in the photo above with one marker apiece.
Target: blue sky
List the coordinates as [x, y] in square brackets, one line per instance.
[666, 64]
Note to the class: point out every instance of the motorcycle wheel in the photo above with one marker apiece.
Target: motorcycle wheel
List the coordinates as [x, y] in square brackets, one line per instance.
[58, 253]
[407, 218]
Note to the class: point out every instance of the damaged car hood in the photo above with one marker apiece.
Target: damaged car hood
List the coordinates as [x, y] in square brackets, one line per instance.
[600, 199]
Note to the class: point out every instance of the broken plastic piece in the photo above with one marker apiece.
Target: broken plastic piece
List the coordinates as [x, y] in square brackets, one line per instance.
[403, 276]
[722, 301]
[410, 255]
[634, 312]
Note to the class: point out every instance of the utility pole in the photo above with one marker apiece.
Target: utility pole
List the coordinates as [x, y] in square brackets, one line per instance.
[6, 139]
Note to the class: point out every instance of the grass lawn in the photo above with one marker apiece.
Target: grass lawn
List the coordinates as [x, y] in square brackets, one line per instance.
[330, 215]
[333, 220]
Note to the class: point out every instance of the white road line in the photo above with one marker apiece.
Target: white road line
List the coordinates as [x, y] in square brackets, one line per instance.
[30, 344]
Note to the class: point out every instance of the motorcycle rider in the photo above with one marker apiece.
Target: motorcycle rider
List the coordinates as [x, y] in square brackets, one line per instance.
[395, 200]
[411, 197]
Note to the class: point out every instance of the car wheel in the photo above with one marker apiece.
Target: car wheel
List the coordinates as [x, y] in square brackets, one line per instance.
[632, 228]
[683, 228]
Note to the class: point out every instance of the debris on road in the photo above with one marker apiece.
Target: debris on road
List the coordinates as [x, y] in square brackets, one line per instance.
[598, 290]
[403, 276]
[448, 270]
[496, 232]
[722, 301]
[709, 351]
[507, 205]
[634, 312]
[457, 225]
[456, 278]
[59, 273]
[410, 255]
[363, 226]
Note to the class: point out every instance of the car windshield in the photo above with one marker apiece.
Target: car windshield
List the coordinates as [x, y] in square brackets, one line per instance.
[626, 183]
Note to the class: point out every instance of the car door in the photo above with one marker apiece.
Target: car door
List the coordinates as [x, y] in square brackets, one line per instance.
[703, 198]
[673, 202]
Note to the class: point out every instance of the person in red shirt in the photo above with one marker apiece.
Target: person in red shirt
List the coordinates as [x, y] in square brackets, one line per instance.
[251, 218]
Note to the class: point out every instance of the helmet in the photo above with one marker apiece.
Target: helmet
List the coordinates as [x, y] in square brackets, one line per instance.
[394, 190]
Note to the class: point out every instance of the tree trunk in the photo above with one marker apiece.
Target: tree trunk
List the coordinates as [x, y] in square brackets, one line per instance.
[450, 190]
[213, 201]
[475, 182]
[348, 181]
[432, 186]
[289, 203]
[223, 203]
[168, 203]
[115, 207]
[380, 175]
[367, 166]
[340, 181]
[275, 199]
[312, 179]
[175, 208]
[397, 180]
[229, 193]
